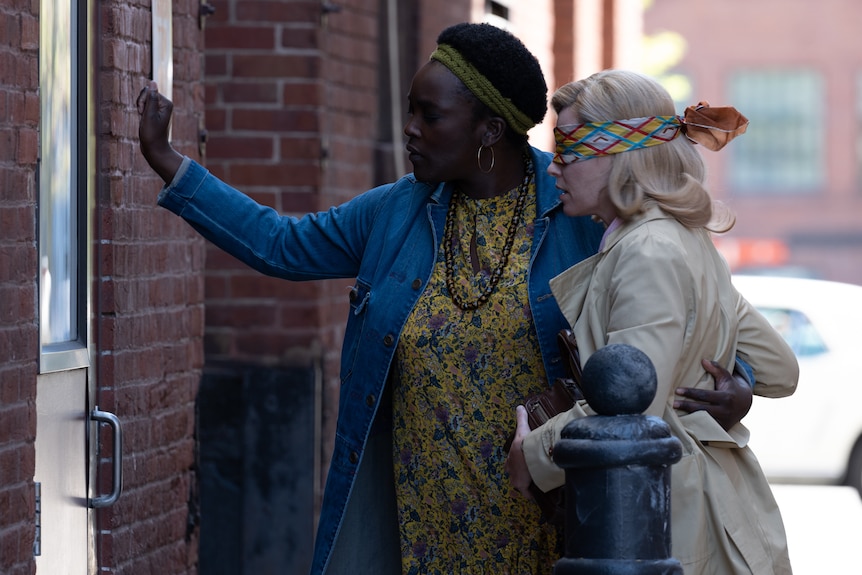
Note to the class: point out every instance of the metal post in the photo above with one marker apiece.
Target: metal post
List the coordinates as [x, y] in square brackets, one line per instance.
[618, 472]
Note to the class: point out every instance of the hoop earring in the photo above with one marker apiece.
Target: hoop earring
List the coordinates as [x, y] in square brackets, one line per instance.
[479, 159]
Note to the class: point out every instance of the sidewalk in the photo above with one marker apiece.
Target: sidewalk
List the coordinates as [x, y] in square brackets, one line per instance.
[824, 528]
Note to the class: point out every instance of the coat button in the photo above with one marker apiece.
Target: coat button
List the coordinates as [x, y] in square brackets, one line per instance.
[417, 283]
[354, 294]
[369, 400]
[354, 457]
[388, 340]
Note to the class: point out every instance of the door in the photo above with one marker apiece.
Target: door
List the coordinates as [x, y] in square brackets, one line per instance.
[62, 546]
[67, 422]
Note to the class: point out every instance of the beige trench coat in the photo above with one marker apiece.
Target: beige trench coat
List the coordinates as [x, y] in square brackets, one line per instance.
[664, 289]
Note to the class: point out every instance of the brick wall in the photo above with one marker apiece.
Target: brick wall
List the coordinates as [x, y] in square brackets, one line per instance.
[434, 16]
[19, 339]
[263, 119]
[149, 308]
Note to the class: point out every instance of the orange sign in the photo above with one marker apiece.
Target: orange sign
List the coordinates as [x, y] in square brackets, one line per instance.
[745, 252]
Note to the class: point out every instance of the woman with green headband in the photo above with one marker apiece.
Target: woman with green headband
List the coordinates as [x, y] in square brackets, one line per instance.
[451, 320]
[659, 284]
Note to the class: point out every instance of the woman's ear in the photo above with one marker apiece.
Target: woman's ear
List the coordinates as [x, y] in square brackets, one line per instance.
[495, 127]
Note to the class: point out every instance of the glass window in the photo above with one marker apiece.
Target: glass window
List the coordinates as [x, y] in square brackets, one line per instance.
[497, 13]
[797, 330]
[61, 261]
[859, 129]
[783, 149]
[498, 8]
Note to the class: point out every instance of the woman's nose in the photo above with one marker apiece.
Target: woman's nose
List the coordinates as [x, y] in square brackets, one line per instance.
[409, 127]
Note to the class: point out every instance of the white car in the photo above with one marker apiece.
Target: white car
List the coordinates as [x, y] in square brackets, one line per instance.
[815, 435]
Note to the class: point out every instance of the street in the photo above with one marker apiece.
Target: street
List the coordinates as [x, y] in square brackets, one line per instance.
[824, 528]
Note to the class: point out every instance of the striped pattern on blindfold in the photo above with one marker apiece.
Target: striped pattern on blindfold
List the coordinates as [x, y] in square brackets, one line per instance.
[582, 141]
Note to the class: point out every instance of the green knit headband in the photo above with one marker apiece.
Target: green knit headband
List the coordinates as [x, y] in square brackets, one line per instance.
[482, 88]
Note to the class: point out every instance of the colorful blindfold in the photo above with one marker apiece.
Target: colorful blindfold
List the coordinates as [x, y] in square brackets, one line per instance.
[710, 127]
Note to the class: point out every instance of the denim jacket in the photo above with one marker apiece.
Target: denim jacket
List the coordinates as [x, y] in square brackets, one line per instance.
[387, 239]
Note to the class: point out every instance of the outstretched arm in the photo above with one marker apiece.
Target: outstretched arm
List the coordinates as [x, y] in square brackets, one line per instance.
[155, 111]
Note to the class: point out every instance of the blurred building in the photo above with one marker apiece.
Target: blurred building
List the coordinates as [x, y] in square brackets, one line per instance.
[135, 356]
[795, 70]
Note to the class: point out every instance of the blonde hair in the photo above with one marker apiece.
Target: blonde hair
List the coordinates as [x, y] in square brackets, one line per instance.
[671, 176]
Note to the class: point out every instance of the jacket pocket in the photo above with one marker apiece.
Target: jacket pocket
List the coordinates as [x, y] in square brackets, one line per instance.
[359, 296]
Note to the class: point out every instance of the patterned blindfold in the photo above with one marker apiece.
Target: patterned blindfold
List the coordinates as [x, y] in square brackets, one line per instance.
[712, 127]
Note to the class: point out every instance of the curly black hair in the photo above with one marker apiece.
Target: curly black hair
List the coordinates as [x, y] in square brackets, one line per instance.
[504, 61]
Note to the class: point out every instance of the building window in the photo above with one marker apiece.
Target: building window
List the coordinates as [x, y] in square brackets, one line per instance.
[497, 13]
[62, 199]
[497, 8]
[783, 150]
[859, 129]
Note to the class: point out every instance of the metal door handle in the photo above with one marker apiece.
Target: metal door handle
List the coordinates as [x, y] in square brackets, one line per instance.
[114, 422]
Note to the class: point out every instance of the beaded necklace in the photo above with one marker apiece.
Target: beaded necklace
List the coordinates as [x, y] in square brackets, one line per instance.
[511, 231]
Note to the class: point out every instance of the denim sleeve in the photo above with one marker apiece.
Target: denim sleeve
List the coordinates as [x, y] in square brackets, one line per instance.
[321, 245]
[745, 371]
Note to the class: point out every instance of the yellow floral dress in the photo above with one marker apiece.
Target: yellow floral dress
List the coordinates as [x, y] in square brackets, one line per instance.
[461, 374]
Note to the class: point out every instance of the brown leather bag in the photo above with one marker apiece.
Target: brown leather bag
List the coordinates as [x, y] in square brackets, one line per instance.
[543, 406]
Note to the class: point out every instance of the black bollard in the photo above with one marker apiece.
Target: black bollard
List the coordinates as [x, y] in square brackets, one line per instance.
[618, 472]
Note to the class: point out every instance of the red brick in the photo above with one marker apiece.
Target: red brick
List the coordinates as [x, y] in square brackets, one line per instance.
[229, 314]
[241, 148]
[351, 49]
[300, 203]
[249, 10]
[9, 27]
[262, 175]
[29, 32]
[9, 466]
[19, 301]
[240, 38]
[106, 548]
[221, 14]
[276, 120]
[216, 120]
[298, 148]
[356, 24]
[28, 146]
[257, 92]
[31, 108]
[275, 66]
[7, 144]
[299, 316]
[216, 65]
[271, 344]
[301, 93]
[257, 286]
[221, 260]
[17, 222]
[300, 38]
